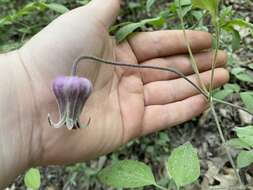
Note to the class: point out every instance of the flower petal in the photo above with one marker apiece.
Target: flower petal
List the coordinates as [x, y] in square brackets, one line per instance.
[56, 125]
[70, 123]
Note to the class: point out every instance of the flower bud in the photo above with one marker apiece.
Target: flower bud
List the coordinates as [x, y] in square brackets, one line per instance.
[71, 93]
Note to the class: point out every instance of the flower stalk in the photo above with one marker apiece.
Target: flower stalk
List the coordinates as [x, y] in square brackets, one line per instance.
[168, 69]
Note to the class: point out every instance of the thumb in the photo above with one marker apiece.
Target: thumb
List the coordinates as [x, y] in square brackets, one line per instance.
[106, 11]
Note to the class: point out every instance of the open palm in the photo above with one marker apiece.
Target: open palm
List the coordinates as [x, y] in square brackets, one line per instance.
[126, 103]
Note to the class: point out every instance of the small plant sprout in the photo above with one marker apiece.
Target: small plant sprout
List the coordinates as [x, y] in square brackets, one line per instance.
[32, 179]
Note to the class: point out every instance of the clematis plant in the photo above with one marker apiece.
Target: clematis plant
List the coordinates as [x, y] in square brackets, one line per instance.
[72, 92]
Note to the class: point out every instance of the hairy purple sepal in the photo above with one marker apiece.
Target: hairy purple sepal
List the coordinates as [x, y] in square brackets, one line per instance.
[71, 93]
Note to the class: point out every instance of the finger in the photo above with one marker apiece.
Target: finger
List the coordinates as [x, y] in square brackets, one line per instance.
[158, 117]
[149, 45]
[164, 92]
[181, 63]
[106, 11]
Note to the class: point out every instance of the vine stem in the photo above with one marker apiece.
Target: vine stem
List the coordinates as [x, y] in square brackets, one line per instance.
[224, 142]
[232, 105]
[168, 69]
[193, 61]
[210, 97]
[217, 37]
[214, 62]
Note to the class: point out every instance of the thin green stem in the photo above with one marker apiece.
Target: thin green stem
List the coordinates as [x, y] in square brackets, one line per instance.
[210, 95]
[232, 105]
[224, 142]
[214, 61]
[193, 61]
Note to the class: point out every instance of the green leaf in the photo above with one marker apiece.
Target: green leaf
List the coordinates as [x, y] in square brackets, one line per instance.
[234, 87]
[185, 6]
[125, 31]
[237, 70]
[57, 7]
[185, 10]
[167, 14]
[209, 5]
[228, 90]
[183, 165]
[225, 15]
[244, 159]
[238, 22]
[83, 2]
[244, 131]
[27, 9]
[149, 4]
[240, 73]
[236, 40]
[244, 77]
[251, 65]
[222, 94]
[231, 25]
[183, 3]
[134, 5]
[157, 22]
[127, 174]
[247, 98]
[245, 134]
[32, 179]
[197, 14]
[117, 26]
[237, 143]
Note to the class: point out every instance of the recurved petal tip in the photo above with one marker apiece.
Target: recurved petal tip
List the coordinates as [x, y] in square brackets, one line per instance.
[56, 125]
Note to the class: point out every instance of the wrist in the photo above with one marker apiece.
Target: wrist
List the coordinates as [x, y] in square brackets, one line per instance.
[16, 110]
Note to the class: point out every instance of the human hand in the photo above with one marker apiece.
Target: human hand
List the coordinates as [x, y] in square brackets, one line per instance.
[126, 103]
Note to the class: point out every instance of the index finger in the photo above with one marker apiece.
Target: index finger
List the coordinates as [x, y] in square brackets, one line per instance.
[149, 45]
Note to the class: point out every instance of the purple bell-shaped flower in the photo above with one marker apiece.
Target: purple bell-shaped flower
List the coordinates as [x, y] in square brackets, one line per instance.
[71, 93]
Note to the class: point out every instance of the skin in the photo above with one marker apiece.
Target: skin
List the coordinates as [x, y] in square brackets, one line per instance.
[125, 103]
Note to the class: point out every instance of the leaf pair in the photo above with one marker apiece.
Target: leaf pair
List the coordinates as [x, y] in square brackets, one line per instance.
[244, 141]
[183, 167]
